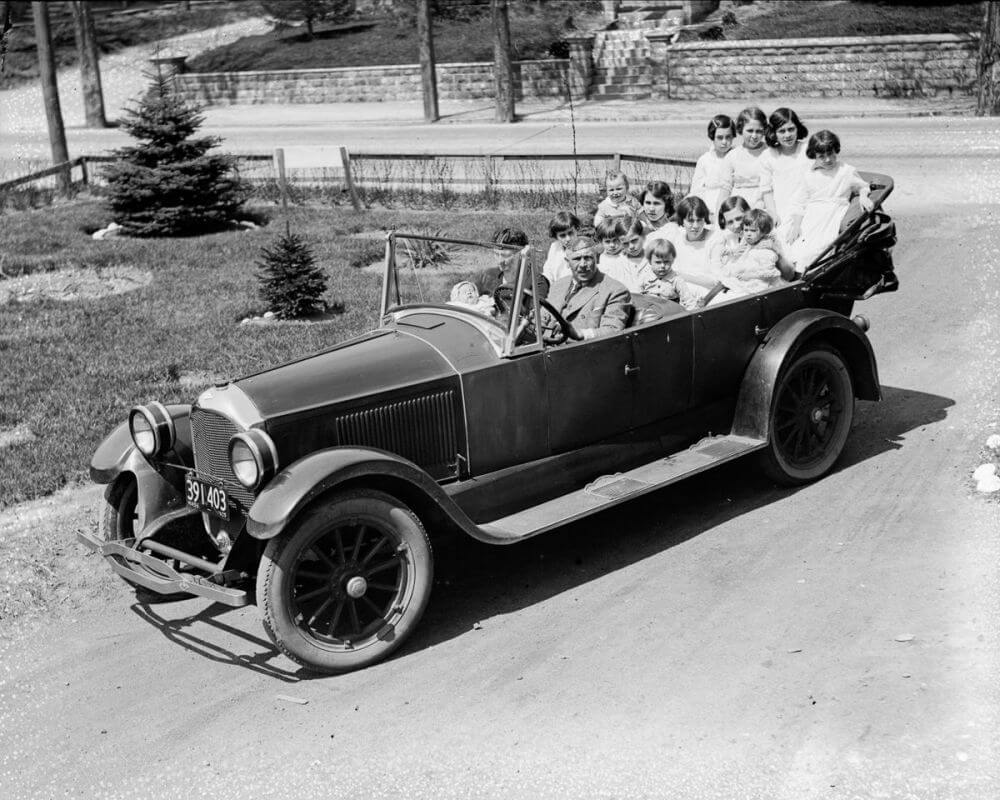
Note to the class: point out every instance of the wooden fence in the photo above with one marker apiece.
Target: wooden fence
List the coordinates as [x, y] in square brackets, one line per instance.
[379, 176]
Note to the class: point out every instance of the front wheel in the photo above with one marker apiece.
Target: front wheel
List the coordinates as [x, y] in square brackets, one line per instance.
[348, 583]
[811, 416]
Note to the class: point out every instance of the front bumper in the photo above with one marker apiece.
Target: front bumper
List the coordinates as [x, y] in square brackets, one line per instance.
[155, 574]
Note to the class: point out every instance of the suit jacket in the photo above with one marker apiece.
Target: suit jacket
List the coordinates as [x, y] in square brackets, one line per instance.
[599, 309]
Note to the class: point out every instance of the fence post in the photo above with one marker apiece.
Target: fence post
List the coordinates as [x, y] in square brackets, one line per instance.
[84, 174]
[279, 165]
[345, 159]
[616, 162]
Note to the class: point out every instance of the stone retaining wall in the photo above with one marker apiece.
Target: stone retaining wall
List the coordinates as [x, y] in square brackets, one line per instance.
[470, 81]
[883, 66]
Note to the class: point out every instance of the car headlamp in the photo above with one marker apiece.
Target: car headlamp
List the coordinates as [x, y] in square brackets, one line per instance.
[152, 429]
[253, 457]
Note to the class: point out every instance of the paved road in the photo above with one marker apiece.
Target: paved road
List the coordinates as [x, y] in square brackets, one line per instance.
[720, 639]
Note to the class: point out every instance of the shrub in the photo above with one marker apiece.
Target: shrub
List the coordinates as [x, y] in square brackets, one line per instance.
[169, 185]
[290, 282]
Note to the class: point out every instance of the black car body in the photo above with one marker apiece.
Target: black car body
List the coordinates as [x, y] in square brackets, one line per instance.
[315, 488]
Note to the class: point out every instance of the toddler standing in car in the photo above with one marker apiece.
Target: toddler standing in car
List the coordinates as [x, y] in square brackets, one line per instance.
[659, 278]
[619, 203]
[755, 267]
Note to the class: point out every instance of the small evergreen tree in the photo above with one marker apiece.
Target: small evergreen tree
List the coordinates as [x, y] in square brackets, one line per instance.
[290, 282]
[169, 184]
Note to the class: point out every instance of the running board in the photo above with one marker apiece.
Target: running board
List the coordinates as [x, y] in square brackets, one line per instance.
[610, 490]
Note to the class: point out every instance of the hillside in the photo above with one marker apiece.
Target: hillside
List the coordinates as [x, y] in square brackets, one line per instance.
[538, 28]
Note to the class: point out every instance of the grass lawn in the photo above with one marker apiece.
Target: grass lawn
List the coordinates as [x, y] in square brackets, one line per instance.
[71, 370]
[790, 19]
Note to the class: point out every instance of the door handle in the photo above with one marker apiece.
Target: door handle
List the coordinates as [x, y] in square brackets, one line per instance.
[630, 370]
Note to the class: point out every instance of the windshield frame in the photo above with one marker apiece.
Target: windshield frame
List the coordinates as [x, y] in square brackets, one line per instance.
[391, 301]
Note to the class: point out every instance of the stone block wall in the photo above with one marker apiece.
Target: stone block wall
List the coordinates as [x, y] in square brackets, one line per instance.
[469, 81]
[882, 66]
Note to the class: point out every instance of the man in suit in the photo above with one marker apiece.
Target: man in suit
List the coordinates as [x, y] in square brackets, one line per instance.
[592, 302]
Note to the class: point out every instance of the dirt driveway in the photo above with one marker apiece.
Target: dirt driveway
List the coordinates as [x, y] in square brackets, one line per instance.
[723, 638]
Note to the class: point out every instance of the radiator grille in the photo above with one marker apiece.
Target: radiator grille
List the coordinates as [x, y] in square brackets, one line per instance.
[210, 434]
[421, 429]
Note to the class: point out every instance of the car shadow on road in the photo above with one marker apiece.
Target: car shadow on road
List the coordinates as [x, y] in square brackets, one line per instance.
[475, 581]
[193, 632]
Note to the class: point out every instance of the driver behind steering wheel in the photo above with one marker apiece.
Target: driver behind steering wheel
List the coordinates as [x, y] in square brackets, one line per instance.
[594, 304]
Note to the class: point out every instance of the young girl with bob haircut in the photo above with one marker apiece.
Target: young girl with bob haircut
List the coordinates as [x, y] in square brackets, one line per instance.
[782, 163]
[741, 166]
[709, 170]
[727, 244]
[563, 227]
[657, 203]
[821, 200]
[692, 240]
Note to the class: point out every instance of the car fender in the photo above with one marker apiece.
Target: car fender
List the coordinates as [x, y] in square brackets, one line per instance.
[299, 484]
[782, 343]
[116, 451]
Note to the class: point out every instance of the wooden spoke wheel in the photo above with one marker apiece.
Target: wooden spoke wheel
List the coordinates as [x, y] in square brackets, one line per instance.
[811, 415]
[348, 583]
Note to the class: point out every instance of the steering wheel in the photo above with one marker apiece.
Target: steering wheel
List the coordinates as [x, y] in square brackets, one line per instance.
[567, 328]
[503, 297]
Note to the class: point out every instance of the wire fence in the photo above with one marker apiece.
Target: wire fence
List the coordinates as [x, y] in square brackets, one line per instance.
[399, 179]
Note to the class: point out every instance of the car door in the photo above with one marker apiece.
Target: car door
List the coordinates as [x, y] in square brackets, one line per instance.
[725, 337]
[589, 391]
[660, 369]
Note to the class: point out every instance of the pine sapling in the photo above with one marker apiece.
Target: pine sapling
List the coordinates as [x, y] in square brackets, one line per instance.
[289, 281]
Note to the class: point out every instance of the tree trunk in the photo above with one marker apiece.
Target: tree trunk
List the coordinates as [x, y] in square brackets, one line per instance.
[989, 62]
[4, 31]
[428, 80]
[503, 73]
[50, 90]
[90, 69]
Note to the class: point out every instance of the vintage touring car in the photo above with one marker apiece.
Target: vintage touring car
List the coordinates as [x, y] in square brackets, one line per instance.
[315, 488]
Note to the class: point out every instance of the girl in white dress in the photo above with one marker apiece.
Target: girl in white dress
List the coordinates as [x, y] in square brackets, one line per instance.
[709, 170]
[741, 166]
[783, 163]
[692, 240]
[821, 200]
[563, 228]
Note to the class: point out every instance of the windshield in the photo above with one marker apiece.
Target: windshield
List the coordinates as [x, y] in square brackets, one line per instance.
[477, 280]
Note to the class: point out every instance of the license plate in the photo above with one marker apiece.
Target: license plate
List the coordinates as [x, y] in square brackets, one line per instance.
[206, 496]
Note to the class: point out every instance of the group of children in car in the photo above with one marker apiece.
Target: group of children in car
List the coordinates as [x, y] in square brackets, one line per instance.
[758, 213]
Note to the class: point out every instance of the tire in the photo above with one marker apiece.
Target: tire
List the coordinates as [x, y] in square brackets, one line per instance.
[119, 515]
[347, 583]
[811, 414]
[119, 519]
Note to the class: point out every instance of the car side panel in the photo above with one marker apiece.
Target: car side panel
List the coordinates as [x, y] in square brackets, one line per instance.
[507, 411]
[725, 339]
[662, 353]
[589, 391]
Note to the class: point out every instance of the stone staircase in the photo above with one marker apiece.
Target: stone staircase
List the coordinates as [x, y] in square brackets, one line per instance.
[621, 58]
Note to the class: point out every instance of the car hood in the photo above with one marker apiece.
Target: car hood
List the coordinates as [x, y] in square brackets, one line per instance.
[379, 363]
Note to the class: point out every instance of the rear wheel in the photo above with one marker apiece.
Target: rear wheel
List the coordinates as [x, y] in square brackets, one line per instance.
[348, 583]
[811, 416]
